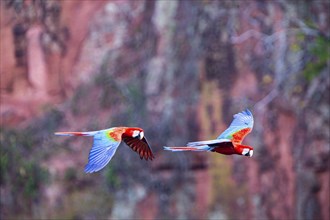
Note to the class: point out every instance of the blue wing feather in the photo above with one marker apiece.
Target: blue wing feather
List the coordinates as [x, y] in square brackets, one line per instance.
[102, 151]
[241, 121]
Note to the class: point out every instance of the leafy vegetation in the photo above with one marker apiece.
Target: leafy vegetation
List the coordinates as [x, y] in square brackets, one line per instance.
[93, 203]
[111, 93]
[21, 174]
[78, 106]
[320, 52]
[21, 153]
[111, 178]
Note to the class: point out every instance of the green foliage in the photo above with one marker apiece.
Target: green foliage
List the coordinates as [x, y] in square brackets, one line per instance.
[78, 103]
[3, 165]
[321, 55]
[51, 120]
[70, 175]
[31, 176]
[111, 178]
[21, 153]
[85, 204]
[110, 94]
[20, 171]
[225, 190]
[71, 179]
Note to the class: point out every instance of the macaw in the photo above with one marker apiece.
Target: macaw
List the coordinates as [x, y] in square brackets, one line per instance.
[229, 142]
[107, 141]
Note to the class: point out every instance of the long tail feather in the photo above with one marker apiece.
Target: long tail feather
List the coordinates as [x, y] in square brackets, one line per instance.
[200, 143]
[196, 148]
[73, 133]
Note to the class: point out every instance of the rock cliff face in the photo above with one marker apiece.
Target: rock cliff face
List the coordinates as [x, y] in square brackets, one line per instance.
[180, 70]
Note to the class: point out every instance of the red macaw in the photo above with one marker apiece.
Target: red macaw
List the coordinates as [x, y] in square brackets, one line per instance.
[229, 142]
[107, 141]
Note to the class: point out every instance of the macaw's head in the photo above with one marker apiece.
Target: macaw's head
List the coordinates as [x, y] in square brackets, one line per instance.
[246, 151]
[135, 133]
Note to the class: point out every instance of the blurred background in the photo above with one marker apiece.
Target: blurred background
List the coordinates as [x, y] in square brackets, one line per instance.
[179, 70]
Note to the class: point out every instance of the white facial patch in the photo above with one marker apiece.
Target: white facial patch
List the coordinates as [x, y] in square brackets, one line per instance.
[245, 151]
[251, 153]
[136, 133]
[141, 135]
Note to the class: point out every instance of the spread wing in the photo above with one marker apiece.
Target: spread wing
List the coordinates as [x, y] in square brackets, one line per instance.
[104, 147]
[239, 127]
[140, 146]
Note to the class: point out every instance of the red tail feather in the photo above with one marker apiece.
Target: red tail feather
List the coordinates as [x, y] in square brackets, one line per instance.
[73, 133]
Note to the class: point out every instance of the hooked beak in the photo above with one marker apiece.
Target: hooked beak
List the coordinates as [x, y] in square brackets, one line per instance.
[141, 135]
[247, 152]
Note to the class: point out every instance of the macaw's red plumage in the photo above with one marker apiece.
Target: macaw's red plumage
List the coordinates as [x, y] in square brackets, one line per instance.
[107, 141]
[229, 142]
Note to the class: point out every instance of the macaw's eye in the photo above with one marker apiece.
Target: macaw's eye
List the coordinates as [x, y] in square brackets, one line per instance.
[246, 123]
[135, 134]
[247, 152]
